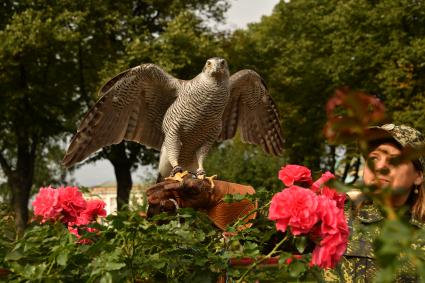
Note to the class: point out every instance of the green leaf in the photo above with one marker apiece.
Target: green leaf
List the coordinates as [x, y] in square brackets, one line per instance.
[62, 258]
[114, 265]
[283, 257]
[106, 278]
[14, 255]
[296, 269]
[301, 243]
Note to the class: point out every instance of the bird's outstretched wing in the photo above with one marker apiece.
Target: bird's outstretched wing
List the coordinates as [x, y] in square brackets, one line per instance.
[131, 107]
[252, 110]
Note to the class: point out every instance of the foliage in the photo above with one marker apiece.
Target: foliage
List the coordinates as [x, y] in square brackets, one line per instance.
[51, 59]
[236, 162]
[185, 246]
[307, 49]
[126, 248]
[7, 233]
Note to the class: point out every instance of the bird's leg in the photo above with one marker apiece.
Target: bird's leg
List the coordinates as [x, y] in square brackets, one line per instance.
[200, 155]
[172, 146]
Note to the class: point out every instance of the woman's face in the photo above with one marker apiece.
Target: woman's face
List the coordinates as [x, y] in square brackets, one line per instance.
[401, 177]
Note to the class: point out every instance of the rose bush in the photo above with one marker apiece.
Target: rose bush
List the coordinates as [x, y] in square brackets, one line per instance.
[317, 212]
[68, 206]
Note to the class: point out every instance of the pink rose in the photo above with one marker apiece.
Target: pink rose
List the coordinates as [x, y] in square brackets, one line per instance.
[291, 174]
[321, 256]
[339, 198]
[94, 208]
[333, 233]
[46, 204]
[68, 205]
[317, 185]
[332, 218]
[330, 250]
[72, 203]
[317, 212]
[294, 207]
[328, 213]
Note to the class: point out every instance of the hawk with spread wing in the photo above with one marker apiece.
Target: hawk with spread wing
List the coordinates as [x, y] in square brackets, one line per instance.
[181, 118]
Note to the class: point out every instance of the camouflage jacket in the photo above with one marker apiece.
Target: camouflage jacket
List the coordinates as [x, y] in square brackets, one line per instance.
[358, 264]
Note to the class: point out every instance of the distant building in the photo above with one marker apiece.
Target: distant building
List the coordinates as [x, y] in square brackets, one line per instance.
[108, 193]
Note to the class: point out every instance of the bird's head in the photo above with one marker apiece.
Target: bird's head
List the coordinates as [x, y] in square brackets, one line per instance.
[216, 67]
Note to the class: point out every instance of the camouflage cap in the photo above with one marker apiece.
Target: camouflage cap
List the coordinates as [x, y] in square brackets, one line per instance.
[404, 135]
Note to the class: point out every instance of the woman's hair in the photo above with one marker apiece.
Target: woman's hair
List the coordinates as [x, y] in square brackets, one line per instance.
[418, 196]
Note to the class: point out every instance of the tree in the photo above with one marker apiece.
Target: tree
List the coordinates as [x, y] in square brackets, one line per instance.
[34, 67]
[125, 157]
[307, 49]
[51, 57]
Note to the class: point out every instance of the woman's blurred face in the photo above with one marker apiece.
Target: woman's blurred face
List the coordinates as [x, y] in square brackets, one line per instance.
[401, 177]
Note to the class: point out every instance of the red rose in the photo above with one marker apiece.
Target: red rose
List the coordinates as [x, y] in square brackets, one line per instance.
[295, 173]
[72, 203]
[46, 204]
[294, 207]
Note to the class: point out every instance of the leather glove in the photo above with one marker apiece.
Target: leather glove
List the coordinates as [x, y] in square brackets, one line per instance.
[169, 195]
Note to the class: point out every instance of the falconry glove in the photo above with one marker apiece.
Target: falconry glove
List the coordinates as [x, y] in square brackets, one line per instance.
[199, 194]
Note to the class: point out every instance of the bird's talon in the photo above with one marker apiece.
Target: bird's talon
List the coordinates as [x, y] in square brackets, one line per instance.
[176, 169]
[177, 176]
[211, 180]
[200, 172]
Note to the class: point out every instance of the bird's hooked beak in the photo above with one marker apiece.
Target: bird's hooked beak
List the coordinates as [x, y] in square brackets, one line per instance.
[216, 67]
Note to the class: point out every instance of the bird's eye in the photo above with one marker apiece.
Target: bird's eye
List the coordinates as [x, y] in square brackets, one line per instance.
[208, 63]
[222, 63]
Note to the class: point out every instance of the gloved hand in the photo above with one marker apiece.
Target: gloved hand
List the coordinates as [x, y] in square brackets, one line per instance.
[170, 195]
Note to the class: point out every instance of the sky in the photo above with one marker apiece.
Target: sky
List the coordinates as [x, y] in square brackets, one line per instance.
[239, 15]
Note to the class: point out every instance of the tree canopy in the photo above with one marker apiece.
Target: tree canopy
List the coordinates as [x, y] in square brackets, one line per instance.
[54, 56]
[307, 49]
